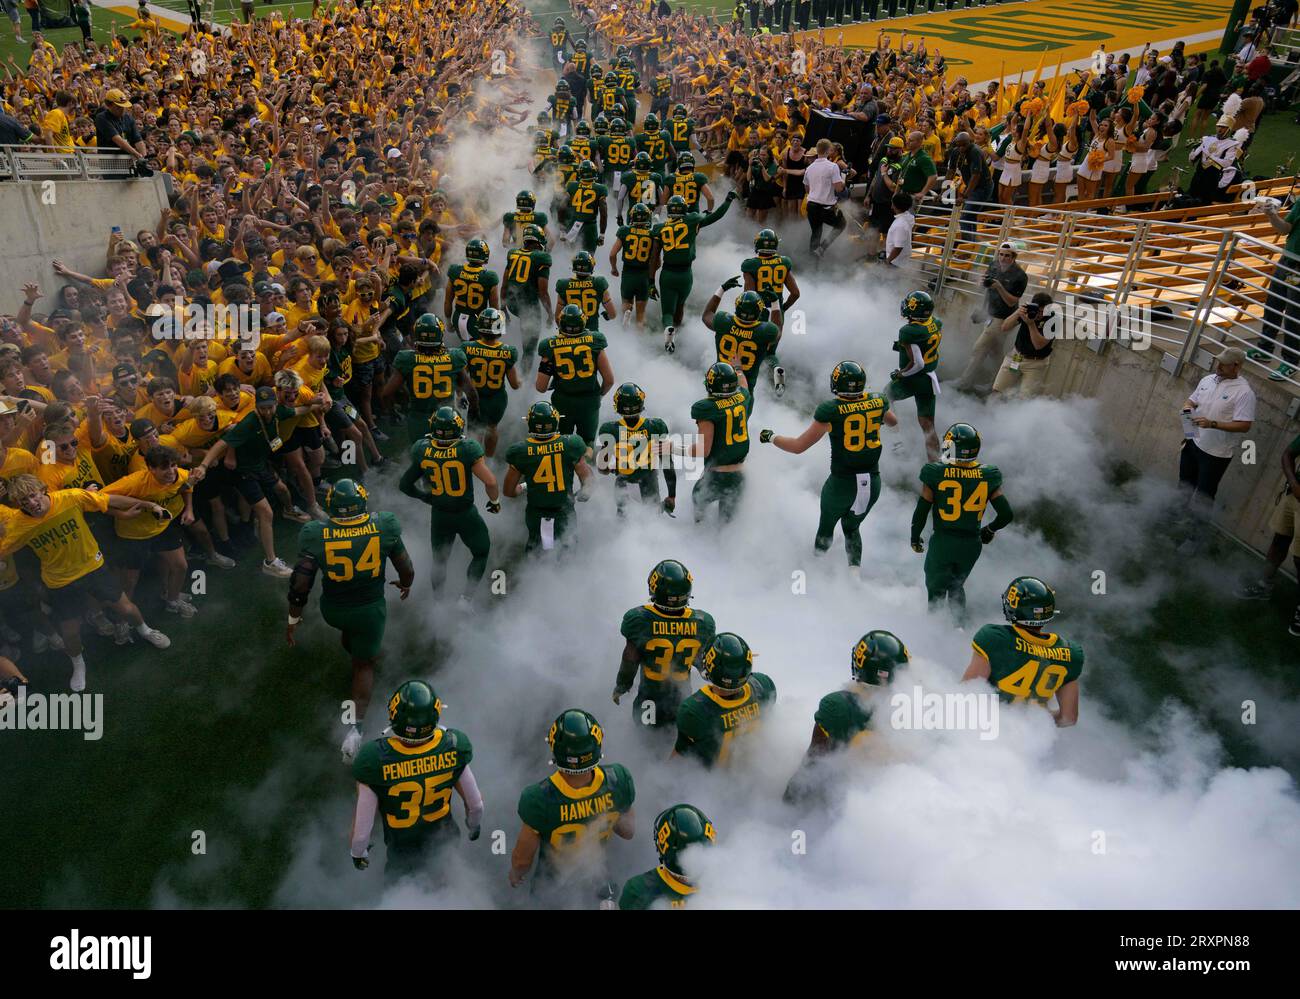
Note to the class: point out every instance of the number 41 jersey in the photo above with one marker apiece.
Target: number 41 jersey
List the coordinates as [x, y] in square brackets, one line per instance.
[1024, 666]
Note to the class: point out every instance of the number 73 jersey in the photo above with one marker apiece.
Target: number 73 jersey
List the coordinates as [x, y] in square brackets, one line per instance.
[414, 783]
[1024, 666]
[961, 492]
[352, 557]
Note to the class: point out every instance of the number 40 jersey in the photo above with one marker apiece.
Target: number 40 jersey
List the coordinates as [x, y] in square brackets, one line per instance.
[1024, 666]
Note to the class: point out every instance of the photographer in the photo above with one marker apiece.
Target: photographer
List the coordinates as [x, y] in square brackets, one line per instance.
[1004, 283]
[1025, 368]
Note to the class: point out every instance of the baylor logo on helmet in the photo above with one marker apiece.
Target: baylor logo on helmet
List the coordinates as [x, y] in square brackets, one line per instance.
[1013, 597]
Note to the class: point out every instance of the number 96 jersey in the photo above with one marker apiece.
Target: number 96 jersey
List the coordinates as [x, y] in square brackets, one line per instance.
[414, 784]
[1024, 666]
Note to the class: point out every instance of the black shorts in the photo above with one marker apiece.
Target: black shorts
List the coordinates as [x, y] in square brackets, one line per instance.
[97, 586]
[882, 216]
[365, 372]
[337, 418]
[256, 484]
[135, 553]
[304, 437]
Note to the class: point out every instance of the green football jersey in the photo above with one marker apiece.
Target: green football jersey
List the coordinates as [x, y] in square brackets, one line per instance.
[655, 145]
[629, 81]
[574, 359]
[447, 471]
[581, 147]
[676, 237]
[635, 251]
[430, 378]
[961, 491]
[616, 153]
[470, 285]
[751, 341]
[730, 418]
[643, 187]
[688, 186]
[680, 131]
[547, 467]
[488, 364]
[669, 643]
[854, 433]
[656, 889]
[570, 818]
[769, 276]
[919, 342]
[843, 717]
[525, 269]
[629, 447]
[707, 724]
[352, 556]
[585, 200]
[586, 293]
[515, 222]
[414, 783]
[1025, 666]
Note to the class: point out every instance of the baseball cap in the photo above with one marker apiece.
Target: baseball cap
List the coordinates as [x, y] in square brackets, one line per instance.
[896, 143]
[265, 394]
[142, 428]
[122, 371]
[116, 98]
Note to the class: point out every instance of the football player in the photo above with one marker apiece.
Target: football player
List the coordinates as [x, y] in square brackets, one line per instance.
[958, 490]
[732, 703]
[560, 42]
[640, 186]
[918, 359]
[543, 466]
[583, 146]
[1024, 662]
[690, 184]
[527, 291]
[722, 423]
[446, 464]
[746, 335]
[584, 290]
[524, 215]
[664, 638]
[491, 366]
[588, 214]
[843, 718]
[655, 142]
[567, 817]
[353, 547]
[470, 289]
[407, 777]
[853, 420]
[431, 373]
[562, 107]
[616, 154]
[668, 885]
[674, 251]
[771, 275]
[632, 243]
[629, 85]
[575, 365]
[681, 126]
[633, 447]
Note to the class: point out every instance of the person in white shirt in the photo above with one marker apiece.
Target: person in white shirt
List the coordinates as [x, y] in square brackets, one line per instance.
[898, 241]
[823, 180]
[1216, 414]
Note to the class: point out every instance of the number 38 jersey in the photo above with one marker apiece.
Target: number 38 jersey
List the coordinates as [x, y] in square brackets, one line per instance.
[1024, 666]
[430, 378]
[961, 492]
[446, 470]
[568, 818]
[414, 783]
[854, 433]
[352, 557]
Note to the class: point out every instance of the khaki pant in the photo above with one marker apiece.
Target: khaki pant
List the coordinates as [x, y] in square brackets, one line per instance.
[992, 342]
[1028, 380]
[1286, 521]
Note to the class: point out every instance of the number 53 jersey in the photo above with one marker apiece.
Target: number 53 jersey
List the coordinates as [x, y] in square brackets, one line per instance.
[414, 783]
[1024, 666]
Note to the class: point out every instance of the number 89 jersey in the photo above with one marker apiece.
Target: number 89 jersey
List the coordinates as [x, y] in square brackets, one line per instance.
[446, 470]
[961, 492]
[352, 557]
[854, 433]
[414, 783]
[1024, 666]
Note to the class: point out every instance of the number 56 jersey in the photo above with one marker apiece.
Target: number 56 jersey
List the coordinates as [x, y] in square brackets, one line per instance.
[414, 783]
[1024, 666]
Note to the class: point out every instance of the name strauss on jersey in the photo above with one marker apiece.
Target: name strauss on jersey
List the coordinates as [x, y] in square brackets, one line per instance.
[578, 810]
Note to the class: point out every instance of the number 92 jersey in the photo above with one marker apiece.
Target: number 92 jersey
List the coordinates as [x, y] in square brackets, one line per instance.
[961, 492]
[352, 557]
[1024, 666]
[854, 433]
[446, 470]
[414, 783]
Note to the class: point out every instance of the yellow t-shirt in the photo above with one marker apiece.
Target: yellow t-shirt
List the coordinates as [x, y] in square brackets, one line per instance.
[79, 473]
[57, 124]
[312, 379]
[61, 539]
[198, 379]
[262, 372]
[145, 485]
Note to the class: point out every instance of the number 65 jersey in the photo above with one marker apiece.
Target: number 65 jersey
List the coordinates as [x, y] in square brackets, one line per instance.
[1024, 666]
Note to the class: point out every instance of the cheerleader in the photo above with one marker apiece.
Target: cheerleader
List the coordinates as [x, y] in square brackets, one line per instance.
[1121, 131]
[1012, 164]
[1143, 161]
[1067, 154]
[1099, 153]
[1044, 153]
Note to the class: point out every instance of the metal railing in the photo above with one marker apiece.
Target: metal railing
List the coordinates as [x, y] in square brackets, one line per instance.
[54, 163]
[1197, 290]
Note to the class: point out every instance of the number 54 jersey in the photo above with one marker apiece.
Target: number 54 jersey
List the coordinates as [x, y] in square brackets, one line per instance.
[352, 557]
[1024, 666]
[414, 783]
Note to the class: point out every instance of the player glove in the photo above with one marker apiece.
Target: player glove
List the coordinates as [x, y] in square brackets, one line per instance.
[654, 293]
[893, 375]
[361, 863]
[731, 282]
[619, 692]
[765, 436]
[987, 534]
[474, 832]
[493, 506]
[918, 546]
[731, 196]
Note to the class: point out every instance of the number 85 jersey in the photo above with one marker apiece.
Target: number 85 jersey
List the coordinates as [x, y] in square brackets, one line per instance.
[1024, 666]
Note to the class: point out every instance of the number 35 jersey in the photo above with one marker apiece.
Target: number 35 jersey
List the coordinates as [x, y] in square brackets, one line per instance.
[352, 557]
[1024, 666]
[414, 783]
[570, 818]
[961, 492]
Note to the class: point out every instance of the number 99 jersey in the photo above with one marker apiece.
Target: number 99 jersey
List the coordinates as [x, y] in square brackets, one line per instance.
[1024, 666]
[414, 784]
[854, 433]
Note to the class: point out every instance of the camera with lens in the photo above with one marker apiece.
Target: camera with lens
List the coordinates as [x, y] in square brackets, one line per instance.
[988, 281]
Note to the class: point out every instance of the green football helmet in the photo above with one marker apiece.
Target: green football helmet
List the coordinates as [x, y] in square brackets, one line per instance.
[640, 214]
[534, 234]
[580, 44]
[413, 711]
[601, 125]
[876, 656]
[572, 321]
[345, 503]
[685, 163]
[525, 201]
[490, 322]
[670, 585]
[1029, 601]
[629, 399]
[618, 127]
[583, 264]
[562, 86]
[625, 61]
[428, 332]
[766, 242]
[676, 828]
[676, 206]
[566, 155]
[728, 661]
[680, 111]
[446, 425]
[961, 442]
[477, 252]
[749, 307]
[587, 171]
[721, 379]
[559, 22]
[917, 306]
[576, 740]
[611, 79]
[642, 163]
[651, 123]
[543, 419]
[583, 128]
[848, 379]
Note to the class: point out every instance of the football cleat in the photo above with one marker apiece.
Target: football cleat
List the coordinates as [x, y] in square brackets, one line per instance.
[669, 346]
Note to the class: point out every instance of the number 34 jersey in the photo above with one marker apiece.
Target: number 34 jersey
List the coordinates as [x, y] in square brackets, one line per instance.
[961, 492]
[446, 470]
[1024, 666]
[352, 557]
[414, 783]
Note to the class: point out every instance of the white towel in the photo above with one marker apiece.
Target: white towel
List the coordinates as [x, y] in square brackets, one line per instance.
[863, 499]
[548, 533]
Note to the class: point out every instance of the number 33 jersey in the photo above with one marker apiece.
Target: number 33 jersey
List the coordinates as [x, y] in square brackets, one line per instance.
[414, 783]
[1024, 666]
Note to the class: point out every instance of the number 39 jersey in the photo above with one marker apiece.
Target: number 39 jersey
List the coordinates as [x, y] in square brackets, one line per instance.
[430, 378]
[854, 433]
[961, 492]
[352, 557]
[446, 470]
[414, 783]
[1024, 666]
[569, 818]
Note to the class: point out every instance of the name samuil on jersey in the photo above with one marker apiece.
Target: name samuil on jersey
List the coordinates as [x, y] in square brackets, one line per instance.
[1060, 653]
[421, 765]
[578, 810]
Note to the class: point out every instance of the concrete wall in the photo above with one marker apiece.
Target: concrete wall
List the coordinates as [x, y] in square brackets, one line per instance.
[73, 228]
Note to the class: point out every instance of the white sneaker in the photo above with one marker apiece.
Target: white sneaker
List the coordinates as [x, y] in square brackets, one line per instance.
[103, 626]
[627, 318]
[78, 682]
[154, 637]
[221, 561]
[276, 567]
[351, 744]
[122, 634]
[181, 607]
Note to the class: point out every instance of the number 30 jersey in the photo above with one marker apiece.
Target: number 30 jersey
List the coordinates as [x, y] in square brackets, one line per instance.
[414, 783]
[446, 470]
[854, 433]
[961, 492]
[352, 557]
[1024, 666]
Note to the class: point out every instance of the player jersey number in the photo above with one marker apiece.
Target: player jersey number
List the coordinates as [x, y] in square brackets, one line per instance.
[572, 834]
[688, 189]
[550, 473]
[618, 153]
[953, 506]
[862, 430]
[675, 236]
[654, 145]
[470, 295]
[1033, 680]
[932, 348]
[574, 362]
[662, 668]
[429, 382]
[519, 267]
[429, 801]
[340, 565]
[732, 346]
[444, 478]
[585, 298]
[770, 277]
[584, 200]
[487, 372]
[737, 425]
[636, 248]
